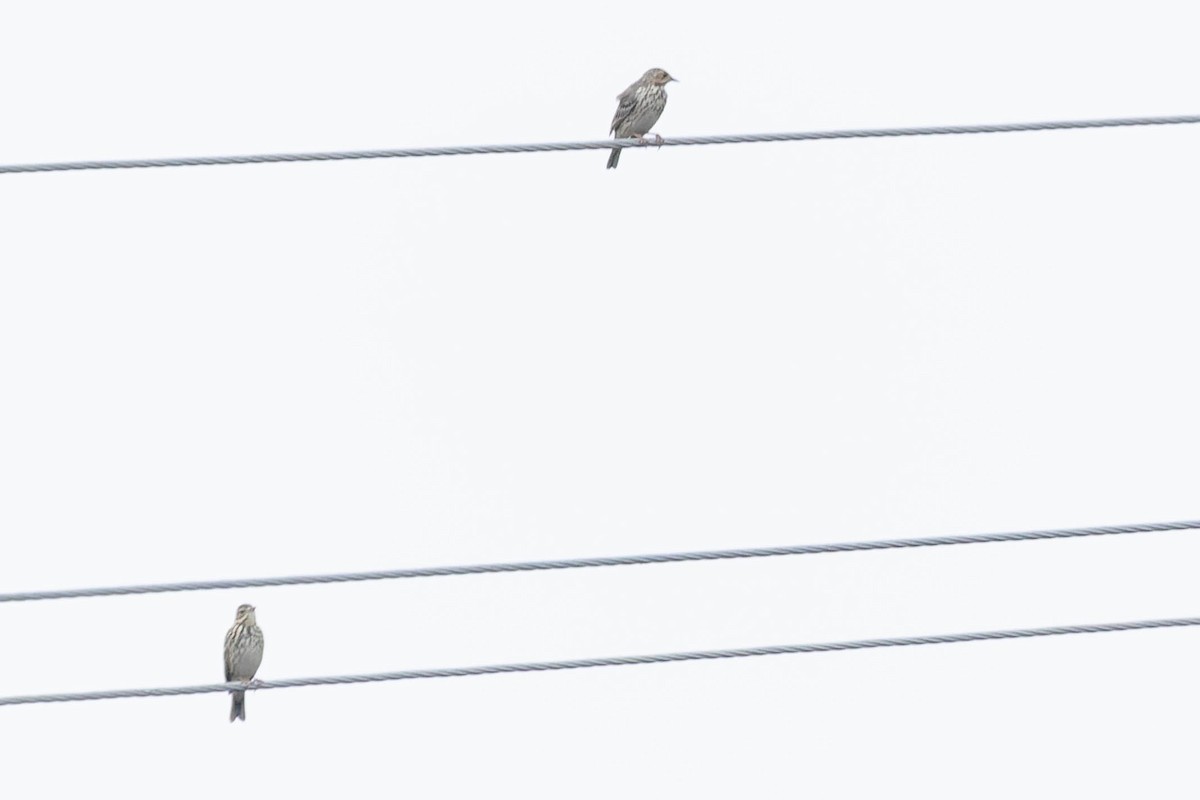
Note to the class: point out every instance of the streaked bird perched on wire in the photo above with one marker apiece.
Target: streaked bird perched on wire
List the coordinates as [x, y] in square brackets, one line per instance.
[243, 654]
[638, 108]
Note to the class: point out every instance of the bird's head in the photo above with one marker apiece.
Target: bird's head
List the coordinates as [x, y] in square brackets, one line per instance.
[658, 77]
[245, 614]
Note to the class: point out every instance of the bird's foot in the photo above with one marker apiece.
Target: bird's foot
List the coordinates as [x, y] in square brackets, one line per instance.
[658, 140]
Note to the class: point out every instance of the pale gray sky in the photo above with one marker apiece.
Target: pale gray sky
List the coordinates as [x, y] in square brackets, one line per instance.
[265, 370]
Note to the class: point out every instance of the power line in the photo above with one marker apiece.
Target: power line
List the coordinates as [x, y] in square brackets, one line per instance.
[603, 144]
[617, 661]
[609, 561]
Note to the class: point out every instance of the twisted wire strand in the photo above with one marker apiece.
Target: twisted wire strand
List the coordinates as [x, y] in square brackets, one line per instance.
[603, 144]
[610, 561]
[616, 661]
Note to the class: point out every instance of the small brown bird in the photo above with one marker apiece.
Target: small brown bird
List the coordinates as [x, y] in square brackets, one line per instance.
[638, 108]
[243, 654]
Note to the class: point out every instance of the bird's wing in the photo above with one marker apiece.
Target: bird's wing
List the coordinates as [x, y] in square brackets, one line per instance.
[626, 100]
[228, 653]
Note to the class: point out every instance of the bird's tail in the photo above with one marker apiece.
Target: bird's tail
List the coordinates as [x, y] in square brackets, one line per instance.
[238, 710]
[613, 157]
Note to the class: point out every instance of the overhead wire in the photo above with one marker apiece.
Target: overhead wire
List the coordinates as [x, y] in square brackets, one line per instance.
[602, 144]
[603, 561]
[616, 661]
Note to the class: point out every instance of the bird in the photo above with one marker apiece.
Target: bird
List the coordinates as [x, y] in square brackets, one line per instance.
[243, 654]
[638, 108]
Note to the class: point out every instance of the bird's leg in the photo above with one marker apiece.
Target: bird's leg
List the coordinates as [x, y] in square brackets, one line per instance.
[642, 140]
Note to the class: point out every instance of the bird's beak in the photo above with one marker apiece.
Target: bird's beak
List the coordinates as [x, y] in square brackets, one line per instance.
[670, 80]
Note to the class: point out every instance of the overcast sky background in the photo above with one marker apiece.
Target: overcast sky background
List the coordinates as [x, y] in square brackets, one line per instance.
[266, 370]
